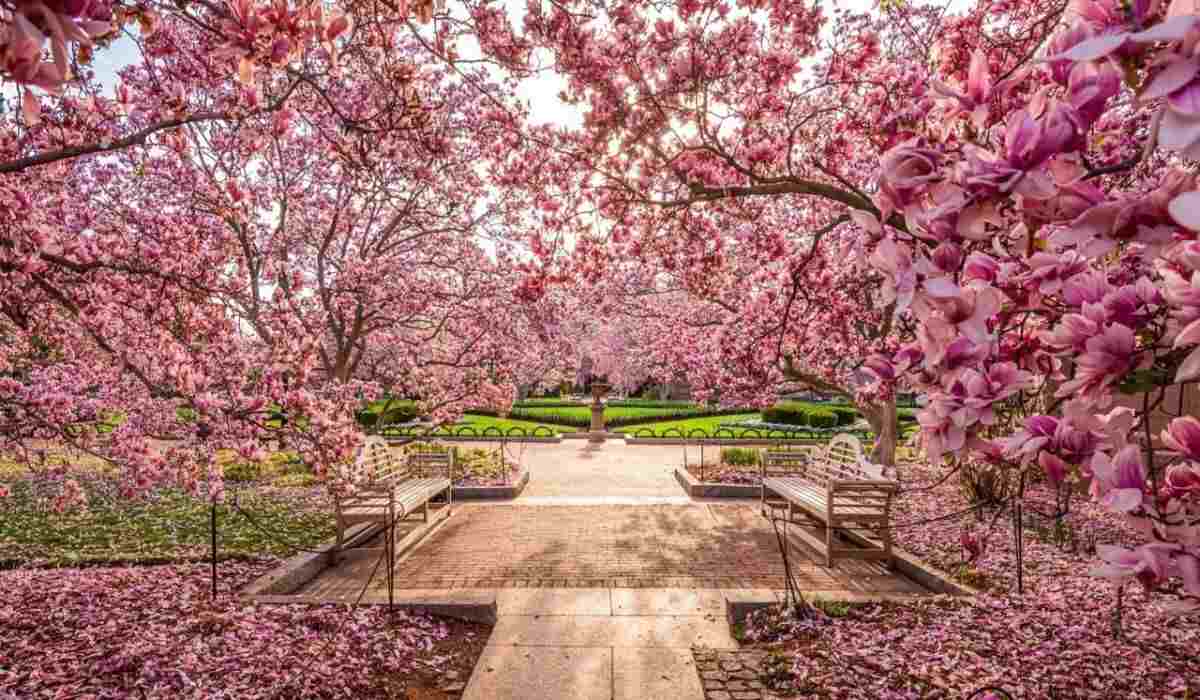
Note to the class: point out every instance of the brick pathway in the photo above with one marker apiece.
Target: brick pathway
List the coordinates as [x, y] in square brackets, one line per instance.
[613, 546]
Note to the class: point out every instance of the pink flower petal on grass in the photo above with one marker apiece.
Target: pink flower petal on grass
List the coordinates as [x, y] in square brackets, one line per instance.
[1185, 210]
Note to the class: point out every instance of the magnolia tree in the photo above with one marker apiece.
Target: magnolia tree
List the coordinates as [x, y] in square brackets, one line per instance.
[725, 147]
[276, 213]
[1019, 175]
[1039, 222]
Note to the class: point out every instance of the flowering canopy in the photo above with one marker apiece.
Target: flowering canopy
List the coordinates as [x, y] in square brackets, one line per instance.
[283, 209]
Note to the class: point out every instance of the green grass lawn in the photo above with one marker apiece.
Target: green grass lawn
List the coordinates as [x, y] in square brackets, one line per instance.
[481, 423]
[581, 416]
[168, 525]
[708, 424]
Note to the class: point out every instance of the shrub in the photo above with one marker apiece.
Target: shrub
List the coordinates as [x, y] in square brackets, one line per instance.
[294, 480]
[374, 416]
[653, 403]
[432, 447]
[540, 403]
[823, 418]
[845, 415]
[983, 485]
[803, 414]
[277, 464]
[786, 413]
[241, 471]
[739, 456]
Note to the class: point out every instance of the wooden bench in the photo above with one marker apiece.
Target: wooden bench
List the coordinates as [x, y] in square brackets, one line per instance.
[393, 488]
[838, 488]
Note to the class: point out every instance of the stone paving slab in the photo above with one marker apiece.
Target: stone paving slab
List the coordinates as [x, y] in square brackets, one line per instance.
[526, 673]
[554, 601]
[667, 601]
[624, 631]
[655, 674]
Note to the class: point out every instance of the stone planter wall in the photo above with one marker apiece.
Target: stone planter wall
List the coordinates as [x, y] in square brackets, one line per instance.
[698, 489]
[471, 493]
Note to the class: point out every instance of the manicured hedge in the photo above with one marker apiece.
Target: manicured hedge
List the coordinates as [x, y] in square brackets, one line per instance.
[793, 413]
[545, 404]
[399, 411]
[651, 403]
[615, 416]
[845, 414]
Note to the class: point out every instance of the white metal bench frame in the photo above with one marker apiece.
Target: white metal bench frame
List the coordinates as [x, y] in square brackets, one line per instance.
[393, 488]
[838, 489]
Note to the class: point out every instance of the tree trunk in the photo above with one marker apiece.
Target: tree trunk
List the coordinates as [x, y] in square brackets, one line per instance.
[882, 417]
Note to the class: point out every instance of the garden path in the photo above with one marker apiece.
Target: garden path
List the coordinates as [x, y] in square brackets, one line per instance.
[576, 471]
[606, 574]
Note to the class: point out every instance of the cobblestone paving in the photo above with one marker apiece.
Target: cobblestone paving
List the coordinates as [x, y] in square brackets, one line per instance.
[734, 675]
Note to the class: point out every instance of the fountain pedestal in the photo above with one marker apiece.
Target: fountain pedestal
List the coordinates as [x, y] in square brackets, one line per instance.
[597, 432]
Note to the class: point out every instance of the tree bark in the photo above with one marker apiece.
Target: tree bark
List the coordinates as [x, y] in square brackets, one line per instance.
[882, 417]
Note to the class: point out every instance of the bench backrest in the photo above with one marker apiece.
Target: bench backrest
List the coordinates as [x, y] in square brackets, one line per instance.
[843, 459]
[375, 461]
[430, 464]
[381, 467]
[776, 462]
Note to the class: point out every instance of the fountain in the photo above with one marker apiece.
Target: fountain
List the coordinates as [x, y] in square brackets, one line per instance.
[597, 432]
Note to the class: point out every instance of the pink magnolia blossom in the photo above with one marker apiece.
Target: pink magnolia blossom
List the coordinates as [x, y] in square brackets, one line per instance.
[1107, 358]
[973, 96]
[1183, 437]
[1183, 480]
[1149, 565]
[1119, 481]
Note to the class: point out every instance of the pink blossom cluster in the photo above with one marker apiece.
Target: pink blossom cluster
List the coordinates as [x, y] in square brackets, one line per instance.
[1045, 287]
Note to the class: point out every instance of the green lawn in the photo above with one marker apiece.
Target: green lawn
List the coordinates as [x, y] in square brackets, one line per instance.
[166, 526]
[708, 424]
[481, 423]
[581, 416]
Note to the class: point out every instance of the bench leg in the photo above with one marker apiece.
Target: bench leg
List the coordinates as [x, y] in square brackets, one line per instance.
[886, 535]
[829, 539]
[336, 555]
[425, 511]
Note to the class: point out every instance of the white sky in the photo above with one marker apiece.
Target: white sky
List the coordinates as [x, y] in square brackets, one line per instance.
[541, 91]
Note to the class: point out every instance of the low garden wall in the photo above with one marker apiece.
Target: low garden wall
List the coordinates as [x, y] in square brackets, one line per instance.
[499, 492]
